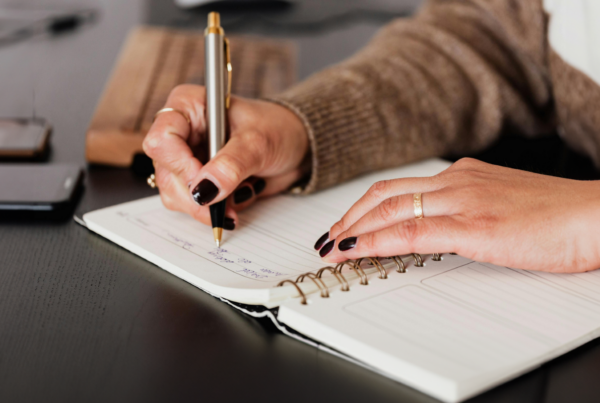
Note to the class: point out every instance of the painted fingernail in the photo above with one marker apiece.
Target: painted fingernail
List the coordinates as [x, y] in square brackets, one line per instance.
[242, 194]
[205, 192]
[347, 244]
[229, 224]
[327, 248]
[324, 238]
[259, 186]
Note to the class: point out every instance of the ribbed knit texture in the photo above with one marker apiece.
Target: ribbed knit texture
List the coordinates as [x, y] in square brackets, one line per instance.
[445, 81]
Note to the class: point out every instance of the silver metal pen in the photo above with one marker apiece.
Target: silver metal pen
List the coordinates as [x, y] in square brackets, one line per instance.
[218, 64]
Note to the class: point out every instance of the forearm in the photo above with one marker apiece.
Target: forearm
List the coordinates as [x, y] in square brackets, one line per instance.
[445, 81]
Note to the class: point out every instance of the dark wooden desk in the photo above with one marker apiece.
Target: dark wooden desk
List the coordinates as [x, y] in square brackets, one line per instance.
[83, 320]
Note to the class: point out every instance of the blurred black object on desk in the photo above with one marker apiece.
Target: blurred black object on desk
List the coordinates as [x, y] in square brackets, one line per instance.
[283, 18]
[33, 192]
[219, 4]
[24, 139]
[18, 23]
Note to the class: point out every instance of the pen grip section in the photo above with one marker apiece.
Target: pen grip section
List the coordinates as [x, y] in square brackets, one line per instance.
[217, 214]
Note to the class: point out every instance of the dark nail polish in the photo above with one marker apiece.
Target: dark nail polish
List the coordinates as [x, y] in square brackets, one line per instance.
[229, 224]
[324, 238]
[242, 194]
[347, 244]
[259, 186]
[205, 192]
[327, 248]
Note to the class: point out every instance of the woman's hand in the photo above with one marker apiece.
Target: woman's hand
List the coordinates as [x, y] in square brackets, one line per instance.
[480, 211]
[263, 156]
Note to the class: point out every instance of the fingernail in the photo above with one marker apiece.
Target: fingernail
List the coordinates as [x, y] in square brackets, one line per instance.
[205, 192]
[327, 248]
[259, 186]
[324, 238]
[347, 244]
[242, 194]
[229, 224]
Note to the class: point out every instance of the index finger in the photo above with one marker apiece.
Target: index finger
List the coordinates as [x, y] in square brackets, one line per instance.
[379, 192]
[169, 139]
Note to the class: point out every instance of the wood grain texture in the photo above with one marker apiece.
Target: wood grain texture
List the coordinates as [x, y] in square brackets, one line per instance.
[154, 61]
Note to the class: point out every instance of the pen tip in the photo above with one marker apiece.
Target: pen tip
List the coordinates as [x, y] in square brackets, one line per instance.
[218, 234]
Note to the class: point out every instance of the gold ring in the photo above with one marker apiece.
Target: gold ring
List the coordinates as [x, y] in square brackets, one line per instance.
[165, 110]
[418, 202]
[151, 181]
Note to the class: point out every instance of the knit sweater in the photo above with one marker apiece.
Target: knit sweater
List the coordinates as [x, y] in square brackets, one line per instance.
[446, 81]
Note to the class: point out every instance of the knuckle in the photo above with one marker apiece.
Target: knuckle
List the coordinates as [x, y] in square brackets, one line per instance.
[465, 162]
[483, 221]
[407, 232]
[232, 166]
[335, 228]
[183, 89]
[388, 209]
[256, 139]
[151, 145]
[368, 243]
[379, 189]
[259, 146]
[342, 224]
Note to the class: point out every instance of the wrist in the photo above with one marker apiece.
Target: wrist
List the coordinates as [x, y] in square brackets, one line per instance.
[297, 130]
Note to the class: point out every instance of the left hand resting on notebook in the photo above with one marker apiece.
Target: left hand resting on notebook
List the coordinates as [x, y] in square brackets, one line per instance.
[480, 211]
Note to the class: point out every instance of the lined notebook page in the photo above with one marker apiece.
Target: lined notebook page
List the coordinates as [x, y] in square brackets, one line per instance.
[455, 328]
[273, 240]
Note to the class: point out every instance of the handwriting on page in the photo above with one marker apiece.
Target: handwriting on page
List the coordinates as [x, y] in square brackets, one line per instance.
[236, 263]
[224, 256]
[241, 265]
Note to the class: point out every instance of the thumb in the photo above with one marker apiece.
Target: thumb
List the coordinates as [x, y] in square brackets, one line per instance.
[243, 156]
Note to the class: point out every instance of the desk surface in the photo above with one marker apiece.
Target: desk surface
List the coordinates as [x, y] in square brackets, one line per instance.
[83, 320]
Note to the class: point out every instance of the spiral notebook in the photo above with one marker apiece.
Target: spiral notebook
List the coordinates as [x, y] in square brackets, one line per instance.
[442, 324]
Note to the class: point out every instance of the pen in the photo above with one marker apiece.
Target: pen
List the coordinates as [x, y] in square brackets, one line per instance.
[218, 60]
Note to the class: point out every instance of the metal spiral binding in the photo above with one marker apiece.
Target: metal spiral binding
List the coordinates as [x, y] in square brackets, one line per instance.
[340, 278]
[317, 281]
[357, 269]
[303, 301]
[418, 259]
[377, 264]
[400, 263]
[355, 266]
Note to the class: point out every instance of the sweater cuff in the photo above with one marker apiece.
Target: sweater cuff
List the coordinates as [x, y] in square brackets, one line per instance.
[339, 123]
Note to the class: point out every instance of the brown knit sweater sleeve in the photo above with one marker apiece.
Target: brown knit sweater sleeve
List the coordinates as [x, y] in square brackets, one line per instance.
[446, 81]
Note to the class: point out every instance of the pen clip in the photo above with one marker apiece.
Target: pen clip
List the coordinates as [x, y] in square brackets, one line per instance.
[229, 72]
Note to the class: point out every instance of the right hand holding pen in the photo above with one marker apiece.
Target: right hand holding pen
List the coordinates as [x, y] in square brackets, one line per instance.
[267, 144]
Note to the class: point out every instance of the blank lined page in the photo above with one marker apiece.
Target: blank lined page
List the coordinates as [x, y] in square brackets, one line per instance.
[535, 308]
[584, 284]
[455, 322]
[458, 336]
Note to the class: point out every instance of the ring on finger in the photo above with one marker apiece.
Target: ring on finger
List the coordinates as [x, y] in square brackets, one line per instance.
[179, 111]
[418, 204]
